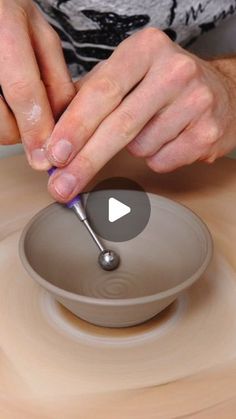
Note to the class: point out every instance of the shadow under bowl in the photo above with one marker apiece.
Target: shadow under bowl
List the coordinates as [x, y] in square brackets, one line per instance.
[171, 253]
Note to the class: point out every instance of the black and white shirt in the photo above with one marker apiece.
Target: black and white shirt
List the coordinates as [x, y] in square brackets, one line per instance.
[91, 29]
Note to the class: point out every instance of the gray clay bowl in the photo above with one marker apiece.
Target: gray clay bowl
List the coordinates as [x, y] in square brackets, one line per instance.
[171, 253]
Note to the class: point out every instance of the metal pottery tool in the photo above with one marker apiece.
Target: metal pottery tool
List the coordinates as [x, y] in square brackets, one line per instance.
[108, 259]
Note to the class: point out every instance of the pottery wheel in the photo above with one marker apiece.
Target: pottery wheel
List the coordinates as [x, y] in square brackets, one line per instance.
[181, 362]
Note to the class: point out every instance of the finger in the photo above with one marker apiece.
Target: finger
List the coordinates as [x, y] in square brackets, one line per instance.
[79, 83]
[97, 99]
[197, 142]
[113, 134]
[9, 133]
[168, 124]
[182, 151]
[53, 68]
[24, 90]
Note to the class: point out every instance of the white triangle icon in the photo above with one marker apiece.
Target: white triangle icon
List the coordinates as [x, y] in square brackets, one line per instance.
[117, 210]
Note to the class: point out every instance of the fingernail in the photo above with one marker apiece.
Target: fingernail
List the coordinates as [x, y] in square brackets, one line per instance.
[61, 151]
[64, 184]
[39, 160]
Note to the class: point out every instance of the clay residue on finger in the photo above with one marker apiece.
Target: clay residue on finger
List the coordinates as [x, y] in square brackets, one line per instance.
[34, 113]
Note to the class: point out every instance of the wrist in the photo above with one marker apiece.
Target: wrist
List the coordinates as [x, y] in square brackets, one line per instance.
[225, 68]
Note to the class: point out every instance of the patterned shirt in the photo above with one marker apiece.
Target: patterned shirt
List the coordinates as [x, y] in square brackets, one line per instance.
[91, 29]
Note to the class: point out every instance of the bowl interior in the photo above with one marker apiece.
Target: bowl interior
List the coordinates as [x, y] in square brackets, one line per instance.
[171, 248]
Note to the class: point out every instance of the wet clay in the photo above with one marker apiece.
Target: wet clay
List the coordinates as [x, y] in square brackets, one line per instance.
[170, 254]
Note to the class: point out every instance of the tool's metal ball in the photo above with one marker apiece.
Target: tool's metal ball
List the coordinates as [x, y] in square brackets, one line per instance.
[108, 260]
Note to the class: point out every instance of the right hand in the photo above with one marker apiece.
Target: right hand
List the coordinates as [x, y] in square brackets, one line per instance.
[34, 79]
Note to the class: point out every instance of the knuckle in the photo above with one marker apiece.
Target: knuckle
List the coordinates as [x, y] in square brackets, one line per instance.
[206, 97]
[213, 133]
[210, 134]
[85, 130]
[17, 90]
[126, 124]
[201, 99]
[108, 87]
[29, 133]
[185, 66]
[152, 36]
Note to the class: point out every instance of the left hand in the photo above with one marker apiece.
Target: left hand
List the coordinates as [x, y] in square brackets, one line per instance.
[167, 105]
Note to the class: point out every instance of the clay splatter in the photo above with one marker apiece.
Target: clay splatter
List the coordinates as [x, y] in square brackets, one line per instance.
[34, 113]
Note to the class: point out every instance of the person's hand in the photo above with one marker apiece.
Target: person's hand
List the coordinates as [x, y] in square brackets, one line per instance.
[33, 77]
[168, 106]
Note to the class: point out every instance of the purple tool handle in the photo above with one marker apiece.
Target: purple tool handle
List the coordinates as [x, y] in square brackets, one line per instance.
[74, 200]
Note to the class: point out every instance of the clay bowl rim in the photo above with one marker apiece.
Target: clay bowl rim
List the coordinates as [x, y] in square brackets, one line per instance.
[60, 292]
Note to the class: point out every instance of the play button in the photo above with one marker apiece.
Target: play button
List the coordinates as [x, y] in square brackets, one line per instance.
[118, 209]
